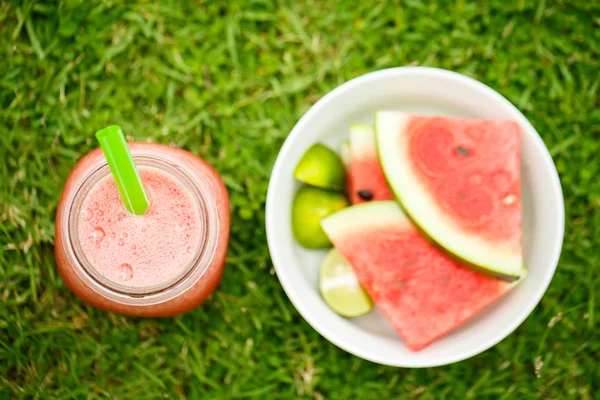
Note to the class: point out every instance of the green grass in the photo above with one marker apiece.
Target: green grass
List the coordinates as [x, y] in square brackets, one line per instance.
[228, 81]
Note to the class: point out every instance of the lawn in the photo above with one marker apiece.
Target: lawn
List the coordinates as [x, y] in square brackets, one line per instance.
[228, 80]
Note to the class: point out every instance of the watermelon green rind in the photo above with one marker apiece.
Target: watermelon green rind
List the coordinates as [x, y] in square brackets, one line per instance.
[346, 153]
[362, 140]
[424, 212]
[386, 213]
[508, 278]
[361, 127]
[358, 127]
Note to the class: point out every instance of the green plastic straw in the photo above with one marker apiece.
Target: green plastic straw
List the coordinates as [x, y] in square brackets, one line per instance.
[115, 149]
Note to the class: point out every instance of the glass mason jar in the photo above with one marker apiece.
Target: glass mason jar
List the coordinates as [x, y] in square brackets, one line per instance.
[187, 289]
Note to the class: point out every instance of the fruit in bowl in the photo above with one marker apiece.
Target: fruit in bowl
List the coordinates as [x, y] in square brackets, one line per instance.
[433, 235]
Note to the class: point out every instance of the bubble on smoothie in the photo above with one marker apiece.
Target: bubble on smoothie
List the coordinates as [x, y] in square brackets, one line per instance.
[125, 272]
[510, 199]
[143, 229]
[124, 235]
[113, 235]
[95, 205]
[121, 242]
[99, 213]
[97, 235]
[87, 214]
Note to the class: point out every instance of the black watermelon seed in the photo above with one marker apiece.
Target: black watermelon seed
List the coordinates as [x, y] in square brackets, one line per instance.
[462, 151]
[365, 194]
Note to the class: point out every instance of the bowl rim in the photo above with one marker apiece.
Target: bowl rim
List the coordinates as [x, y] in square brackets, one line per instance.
[272, 239]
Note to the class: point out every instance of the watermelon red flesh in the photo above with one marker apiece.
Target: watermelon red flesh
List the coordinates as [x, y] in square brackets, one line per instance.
[459, 179]
[471, 168]
[365, 169]
[422, 292]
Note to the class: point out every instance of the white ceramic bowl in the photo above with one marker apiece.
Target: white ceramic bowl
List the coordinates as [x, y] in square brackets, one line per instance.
[425, 91]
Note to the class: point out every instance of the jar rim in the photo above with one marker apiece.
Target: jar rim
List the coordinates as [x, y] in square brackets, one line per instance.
[193, 271]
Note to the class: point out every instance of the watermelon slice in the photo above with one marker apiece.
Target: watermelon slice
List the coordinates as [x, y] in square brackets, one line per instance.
[421, 291]
[459, 180]
[366, 179]
[346, 156]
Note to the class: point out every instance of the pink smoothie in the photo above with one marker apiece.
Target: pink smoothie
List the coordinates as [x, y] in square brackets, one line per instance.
[140, 251]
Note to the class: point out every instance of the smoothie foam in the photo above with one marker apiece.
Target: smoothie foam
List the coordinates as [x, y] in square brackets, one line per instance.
[140, 251]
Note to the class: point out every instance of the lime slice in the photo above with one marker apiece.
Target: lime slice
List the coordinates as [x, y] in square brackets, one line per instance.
[310, 205]
[340, 287]
[322, 167]
[346, 153]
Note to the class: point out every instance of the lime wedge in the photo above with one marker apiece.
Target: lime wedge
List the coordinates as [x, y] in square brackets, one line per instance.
[310, 205]
[322, 167]
[340, 288]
